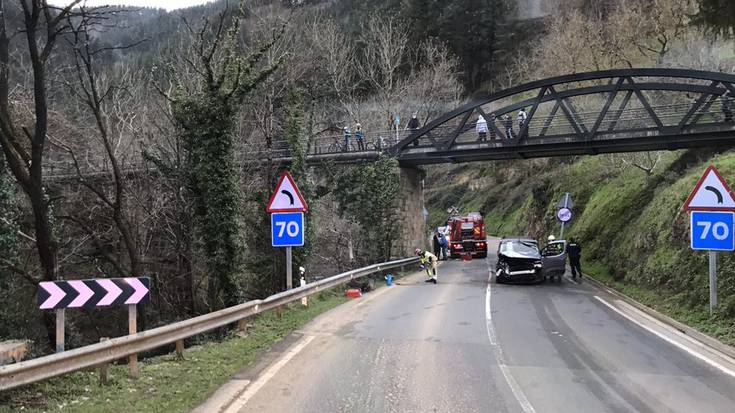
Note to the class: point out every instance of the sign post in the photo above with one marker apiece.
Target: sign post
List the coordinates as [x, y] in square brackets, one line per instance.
[60, 322]
[712, 281]
[132, 329]
[289, 268]
[564, 212]
[287, 208]
[712, 222]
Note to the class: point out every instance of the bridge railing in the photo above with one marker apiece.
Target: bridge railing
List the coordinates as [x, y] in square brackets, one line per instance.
[31, 371]
[617, 122]
[374, 141]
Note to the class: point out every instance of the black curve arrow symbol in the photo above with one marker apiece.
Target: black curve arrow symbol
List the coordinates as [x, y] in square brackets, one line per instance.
[717, 193]
[290, 196]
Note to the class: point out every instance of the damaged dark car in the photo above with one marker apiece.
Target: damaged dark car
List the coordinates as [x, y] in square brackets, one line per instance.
[519, 260]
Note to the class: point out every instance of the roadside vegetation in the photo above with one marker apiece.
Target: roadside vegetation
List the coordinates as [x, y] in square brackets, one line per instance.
[147, 143]
[157, 139]
[167, 384]
[632, 229]
[628, 214]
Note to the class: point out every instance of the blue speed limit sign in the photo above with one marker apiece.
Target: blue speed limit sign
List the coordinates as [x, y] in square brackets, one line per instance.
[712, 231]
[287, 229]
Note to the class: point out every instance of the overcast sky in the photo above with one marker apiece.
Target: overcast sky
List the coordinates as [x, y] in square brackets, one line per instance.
[164, 4]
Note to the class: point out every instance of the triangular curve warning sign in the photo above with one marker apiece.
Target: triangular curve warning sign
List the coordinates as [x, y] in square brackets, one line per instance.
[287, 197]
[711, 193]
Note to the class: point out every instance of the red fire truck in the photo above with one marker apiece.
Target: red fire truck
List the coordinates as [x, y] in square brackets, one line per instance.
[467, 235]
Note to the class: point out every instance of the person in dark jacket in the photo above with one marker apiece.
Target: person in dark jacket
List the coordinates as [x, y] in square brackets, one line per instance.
[508, 122]
[574, 251]
[727, 107]
[360, 137]
[491, 126]
[444, 244]
[413, 126]
[436, 243]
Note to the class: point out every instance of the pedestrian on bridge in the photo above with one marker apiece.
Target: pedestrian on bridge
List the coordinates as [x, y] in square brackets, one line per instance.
[522, 117]
[360, 137]
[429, 263]
[574, 251]
[481, 128]
[727, 106]
[413, 126]
[508, 122]
[347, 136]
[492, 126]
[380, 143]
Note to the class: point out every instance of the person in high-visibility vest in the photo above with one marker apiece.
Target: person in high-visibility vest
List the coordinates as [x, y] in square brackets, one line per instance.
[429, 263]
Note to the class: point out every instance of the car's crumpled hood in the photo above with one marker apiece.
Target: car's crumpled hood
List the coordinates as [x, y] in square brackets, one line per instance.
[515, 254]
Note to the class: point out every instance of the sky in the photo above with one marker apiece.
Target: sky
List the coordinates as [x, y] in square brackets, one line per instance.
[164, 4]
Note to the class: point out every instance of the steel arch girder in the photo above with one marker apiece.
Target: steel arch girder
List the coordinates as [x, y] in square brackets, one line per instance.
[726, 80]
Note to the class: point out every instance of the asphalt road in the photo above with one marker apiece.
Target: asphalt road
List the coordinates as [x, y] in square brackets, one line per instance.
[465, 345]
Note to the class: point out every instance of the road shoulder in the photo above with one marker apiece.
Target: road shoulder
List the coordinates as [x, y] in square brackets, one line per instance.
[703, 347]
[237, 391]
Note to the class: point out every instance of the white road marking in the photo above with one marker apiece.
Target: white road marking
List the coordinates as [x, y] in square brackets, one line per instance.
[512, 383]
[681, 346]
[572, 280]
[241, 401]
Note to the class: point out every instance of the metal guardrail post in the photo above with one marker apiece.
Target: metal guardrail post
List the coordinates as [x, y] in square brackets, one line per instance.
[104, 367]
[179, 350]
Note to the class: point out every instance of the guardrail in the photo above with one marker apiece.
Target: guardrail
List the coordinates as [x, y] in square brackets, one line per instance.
[46, 367]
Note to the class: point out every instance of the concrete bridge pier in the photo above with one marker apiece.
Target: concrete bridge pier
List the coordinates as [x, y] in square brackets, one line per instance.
[413, 231]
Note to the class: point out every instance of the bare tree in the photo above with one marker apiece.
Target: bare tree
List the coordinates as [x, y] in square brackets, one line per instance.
[386, 50]
[664, 22]
[338, 56]
[22, 144]
[433, 82]
[109, 101]
[645, 161]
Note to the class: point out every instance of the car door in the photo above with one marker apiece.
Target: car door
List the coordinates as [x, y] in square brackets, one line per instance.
[554, 257]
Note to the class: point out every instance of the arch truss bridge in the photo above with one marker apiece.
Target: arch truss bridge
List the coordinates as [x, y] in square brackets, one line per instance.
[587, 113]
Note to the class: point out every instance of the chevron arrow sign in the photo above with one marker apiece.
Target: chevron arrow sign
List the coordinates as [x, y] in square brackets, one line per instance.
[100, 292]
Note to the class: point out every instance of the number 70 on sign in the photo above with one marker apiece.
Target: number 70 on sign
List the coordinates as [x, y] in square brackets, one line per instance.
[287, 229]
[712, 231]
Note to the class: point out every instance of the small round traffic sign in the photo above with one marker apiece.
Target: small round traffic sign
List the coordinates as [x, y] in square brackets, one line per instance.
[564, 214]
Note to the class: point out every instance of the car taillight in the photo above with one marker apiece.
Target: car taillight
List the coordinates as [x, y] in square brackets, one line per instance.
[457, 246]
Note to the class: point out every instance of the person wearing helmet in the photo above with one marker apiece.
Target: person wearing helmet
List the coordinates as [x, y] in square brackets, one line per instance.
[429, 263]
[551, 238]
